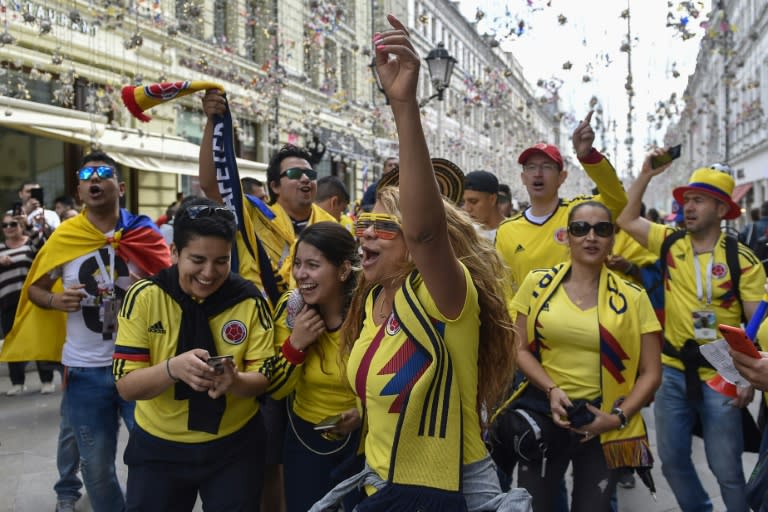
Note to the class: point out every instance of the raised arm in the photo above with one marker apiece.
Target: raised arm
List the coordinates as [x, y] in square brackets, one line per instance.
[421, 205]
[213, 104]
[598, 168]
[630, 220]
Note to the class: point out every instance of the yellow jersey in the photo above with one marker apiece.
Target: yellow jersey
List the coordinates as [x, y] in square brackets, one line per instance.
[682, 298]
[149, 324]
[317, 385]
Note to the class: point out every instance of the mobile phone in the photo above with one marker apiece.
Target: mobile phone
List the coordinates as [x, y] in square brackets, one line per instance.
[328, 423]
[37, 193]
[666, 157]
[217, 362]
[17, 209]
[737, 339]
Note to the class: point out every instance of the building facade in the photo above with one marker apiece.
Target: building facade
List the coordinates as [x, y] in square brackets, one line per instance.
[724, 117]
[294, 71]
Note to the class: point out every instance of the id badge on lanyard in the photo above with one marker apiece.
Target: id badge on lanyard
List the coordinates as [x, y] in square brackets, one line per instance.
[109, 303]
[704, 319]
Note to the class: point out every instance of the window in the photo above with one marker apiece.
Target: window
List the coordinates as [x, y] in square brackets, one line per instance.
[189, 17]
[220, 33]
[348, 74]
[257, 39]
[311, 59]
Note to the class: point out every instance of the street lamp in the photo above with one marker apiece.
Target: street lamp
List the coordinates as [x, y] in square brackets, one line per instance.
[440, 64]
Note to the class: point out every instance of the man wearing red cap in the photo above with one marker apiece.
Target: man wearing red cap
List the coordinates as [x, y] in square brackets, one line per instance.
[698, 296]
[536, 237]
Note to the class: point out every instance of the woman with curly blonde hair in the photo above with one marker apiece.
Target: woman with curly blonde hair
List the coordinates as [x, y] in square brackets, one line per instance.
[428, 343]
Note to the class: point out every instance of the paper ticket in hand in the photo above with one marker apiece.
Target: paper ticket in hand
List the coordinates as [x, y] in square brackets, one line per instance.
[717, 354]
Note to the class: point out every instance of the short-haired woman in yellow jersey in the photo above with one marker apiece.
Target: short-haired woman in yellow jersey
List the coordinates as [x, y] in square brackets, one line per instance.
[307, 332]
[190, 348]
[587, 335]
[428, 341]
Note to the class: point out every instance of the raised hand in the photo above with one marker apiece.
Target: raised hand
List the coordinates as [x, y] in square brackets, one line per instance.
[399, 75]
[648, 170]
[307, 327]
[584, 137]
[214, 103]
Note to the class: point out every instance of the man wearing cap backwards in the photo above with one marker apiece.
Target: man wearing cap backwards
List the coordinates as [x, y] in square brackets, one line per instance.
[698, 296]
[481, 193]
[536, 237]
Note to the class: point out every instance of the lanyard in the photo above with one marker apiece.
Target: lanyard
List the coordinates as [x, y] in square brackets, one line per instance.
[697, 271]
[107, 276]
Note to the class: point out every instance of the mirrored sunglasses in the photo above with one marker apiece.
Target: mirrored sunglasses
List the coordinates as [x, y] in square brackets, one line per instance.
[104, 172]
[12, 224]
[193, 212]
[295, 173]
[385, 226]
[581, 228]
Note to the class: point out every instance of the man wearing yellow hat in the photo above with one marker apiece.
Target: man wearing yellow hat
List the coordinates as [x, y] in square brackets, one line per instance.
[699, 294]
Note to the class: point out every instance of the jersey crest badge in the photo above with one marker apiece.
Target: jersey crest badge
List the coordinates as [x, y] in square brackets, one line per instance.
[561, 235]
[234, 332]
[719, 270]
[393, 325]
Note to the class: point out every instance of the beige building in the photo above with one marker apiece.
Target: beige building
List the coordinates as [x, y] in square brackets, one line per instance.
[294, 71]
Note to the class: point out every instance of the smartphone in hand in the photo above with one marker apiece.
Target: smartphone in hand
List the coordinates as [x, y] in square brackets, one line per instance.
[37, 193]
[328, 423]
[737, 339]
[666, 157]
[217, 362]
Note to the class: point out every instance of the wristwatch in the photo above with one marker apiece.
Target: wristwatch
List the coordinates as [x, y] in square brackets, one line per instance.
[622, 417]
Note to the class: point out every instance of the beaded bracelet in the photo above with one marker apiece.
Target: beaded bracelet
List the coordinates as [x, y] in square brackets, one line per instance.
[550, 388]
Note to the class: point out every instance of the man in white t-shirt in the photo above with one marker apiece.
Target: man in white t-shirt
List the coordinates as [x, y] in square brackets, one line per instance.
[97, 255]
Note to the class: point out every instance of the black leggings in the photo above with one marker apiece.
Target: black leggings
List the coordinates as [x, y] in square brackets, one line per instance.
[593, 482]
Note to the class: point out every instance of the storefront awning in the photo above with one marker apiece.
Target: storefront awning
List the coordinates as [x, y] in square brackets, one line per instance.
[140, 150]
[739, 191]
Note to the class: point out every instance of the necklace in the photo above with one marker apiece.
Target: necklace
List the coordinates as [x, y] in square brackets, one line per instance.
[579, 299]
[382, 305]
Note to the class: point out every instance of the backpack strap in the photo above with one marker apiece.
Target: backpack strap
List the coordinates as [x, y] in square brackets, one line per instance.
[732, 260]
[666, 245]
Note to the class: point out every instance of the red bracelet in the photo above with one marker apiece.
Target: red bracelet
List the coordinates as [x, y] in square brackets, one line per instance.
[291, 353]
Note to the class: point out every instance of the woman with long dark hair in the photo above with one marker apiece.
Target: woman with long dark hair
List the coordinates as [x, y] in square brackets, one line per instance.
[322, 432]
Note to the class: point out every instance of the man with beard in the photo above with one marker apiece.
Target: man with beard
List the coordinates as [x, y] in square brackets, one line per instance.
[700, 293]
[96, 255]
[536, 237]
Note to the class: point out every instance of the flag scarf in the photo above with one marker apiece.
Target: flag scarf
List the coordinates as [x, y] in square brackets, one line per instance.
[38, 334]
[249, 258]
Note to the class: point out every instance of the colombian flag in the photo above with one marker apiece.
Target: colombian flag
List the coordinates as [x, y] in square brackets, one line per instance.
[38, 334]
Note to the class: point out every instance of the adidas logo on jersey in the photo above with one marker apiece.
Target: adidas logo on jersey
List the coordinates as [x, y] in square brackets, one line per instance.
[157, 328]
[519, 248]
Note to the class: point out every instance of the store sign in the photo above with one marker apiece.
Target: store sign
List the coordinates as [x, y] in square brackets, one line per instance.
[71, 20]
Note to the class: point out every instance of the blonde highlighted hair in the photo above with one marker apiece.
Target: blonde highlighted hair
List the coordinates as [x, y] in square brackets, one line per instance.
[496, 357]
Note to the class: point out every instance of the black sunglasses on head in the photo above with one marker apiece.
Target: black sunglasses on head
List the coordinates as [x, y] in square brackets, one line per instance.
[194, 212]
[581, 228]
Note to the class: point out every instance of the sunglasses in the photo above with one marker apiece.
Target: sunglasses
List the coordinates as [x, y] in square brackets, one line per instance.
[385, 226]
[193, 212]
[12, 224]
[295, 173]
[104, 172]
[581, 228]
